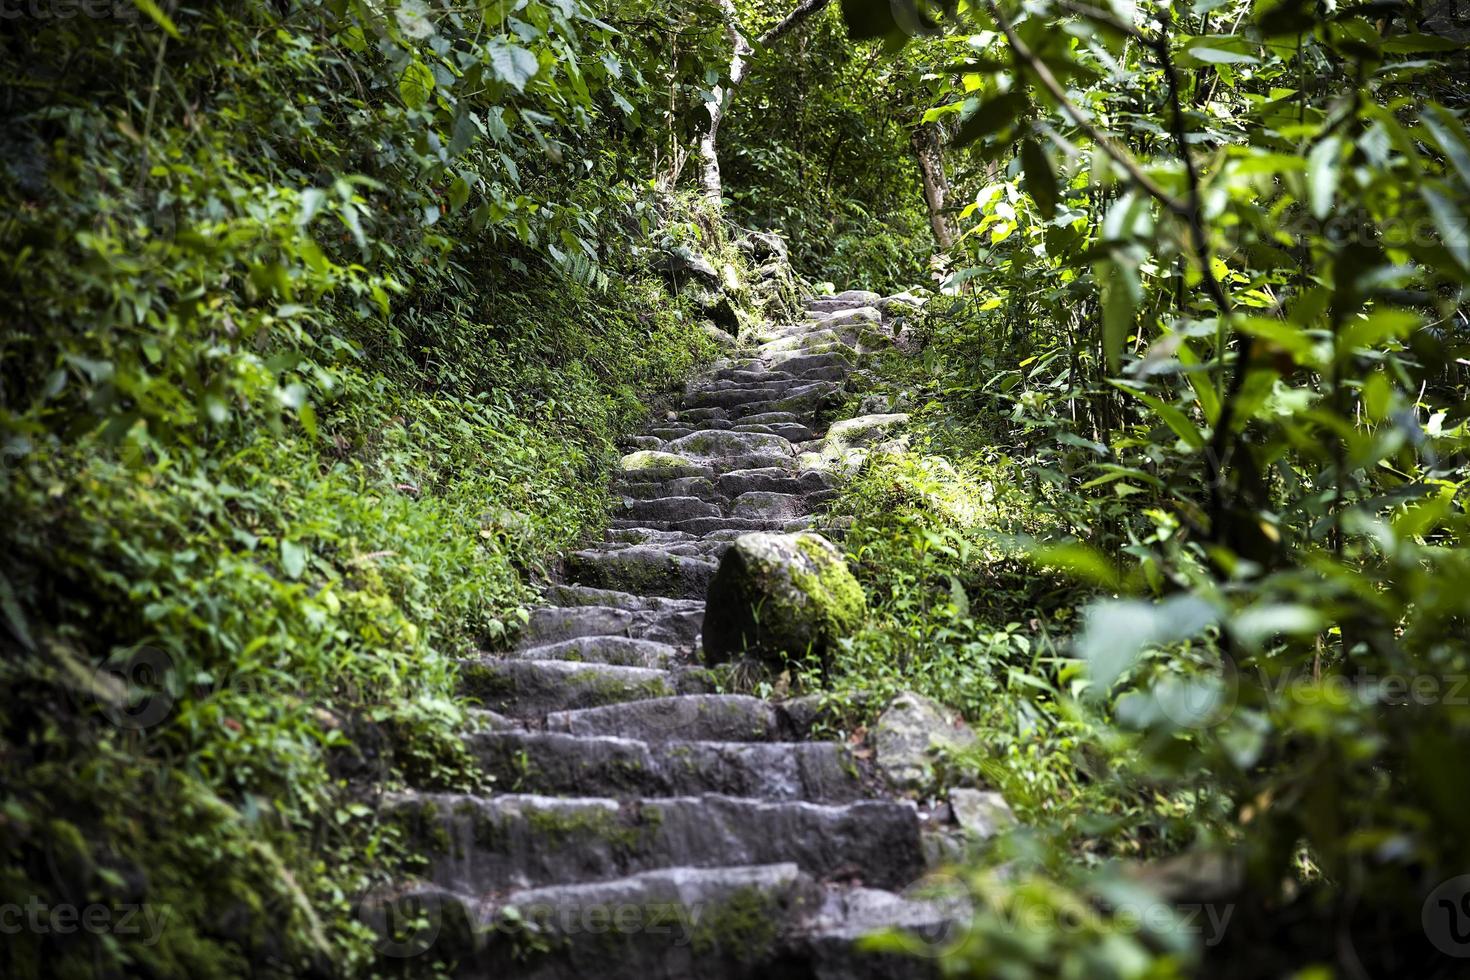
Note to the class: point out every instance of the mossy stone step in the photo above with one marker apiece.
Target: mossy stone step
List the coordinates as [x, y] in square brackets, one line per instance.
[534, 688]
[477, 844]
[677, 625]
[645, 570]
[557, 763]
[776, 479]
[691, 717]
[622, 651]
[668, 508]
[633, 488]
[710, 923]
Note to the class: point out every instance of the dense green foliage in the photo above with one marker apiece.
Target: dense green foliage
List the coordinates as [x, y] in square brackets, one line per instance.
[320, 320]
[1209, 311]
[319, 328]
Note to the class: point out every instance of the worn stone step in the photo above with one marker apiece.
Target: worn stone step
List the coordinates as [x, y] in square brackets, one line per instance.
[696, 548]
[755, 372]
[568, 594]
[670, 508]
[713, 444]
[790, 431]
[556, 763]
[808, 342]
[769, 921]
[533, 688]
[771, 418]
[660, 464]
[475, 844]
[767, 506]
[776, 479]
[665, 924]
[695, 486]
[644, 570]
[675, 625]
[691, 717]
[623, 651]
[742, 525]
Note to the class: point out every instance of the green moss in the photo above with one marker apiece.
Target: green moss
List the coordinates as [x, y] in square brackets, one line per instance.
[743, 926]
[832, 589]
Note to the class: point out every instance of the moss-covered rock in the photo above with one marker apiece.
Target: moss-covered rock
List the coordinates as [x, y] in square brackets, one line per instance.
[779, 596]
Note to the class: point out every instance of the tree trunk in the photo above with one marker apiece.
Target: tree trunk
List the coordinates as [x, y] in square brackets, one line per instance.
[709, 140]
[929, 153]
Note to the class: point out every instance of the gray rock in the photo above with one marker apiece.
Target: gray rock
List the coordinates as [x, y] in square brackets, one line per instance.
[682, 265]
[907, 734]
[980, 813]
[779, 596]
[712, 443]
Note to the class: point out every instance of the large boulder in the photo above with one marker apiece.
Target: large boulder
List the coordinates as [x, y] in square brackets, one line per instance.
[908, 734]
[779, 596]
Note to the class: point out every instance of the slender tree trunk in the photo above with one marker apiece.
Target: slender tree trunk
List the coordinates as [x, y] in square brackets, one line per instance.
[929, 153]
[709, 140]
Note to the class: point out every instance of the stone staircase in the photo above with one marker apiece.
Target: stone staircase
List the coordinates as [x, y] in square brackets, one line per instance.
[643, 825]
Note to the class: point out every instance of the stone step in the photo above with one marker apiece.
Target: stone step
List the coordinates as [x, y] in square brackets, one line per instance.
[636, 489]
[555, 763]
[741, 525]
[671, 508]
[776, 479]
[476, 844]
[704, 526]
[622, 651]
[696, 548]
[712, 444]
[790, 431]
[770, 921]
[565, 594]
[533, 688]
[768, 506]
[691, 717]
[676, 625]
[808, 342]
[771, 418]
[644, 570]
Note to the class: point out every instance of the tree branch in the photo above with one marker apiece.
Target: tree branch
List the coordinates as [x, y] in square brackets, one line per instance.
[792, 20]
[1049, 82]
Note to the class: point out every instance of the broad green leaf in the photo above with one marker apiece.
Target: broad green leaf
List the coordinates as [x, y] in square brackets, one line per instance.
[1040, 180]
[1449, 133]
[1322, 175]
[1449, 219]
[415, 84]
[512, 63]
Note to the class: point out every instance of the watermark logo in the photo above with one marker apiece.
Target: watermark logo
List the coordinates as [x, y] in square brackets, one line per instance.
[144, 922]
[133, 688]
[1446, 917]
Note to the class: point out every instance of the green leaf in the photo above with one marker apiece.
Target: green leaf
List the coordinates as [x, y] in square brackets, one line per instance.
[1121, 291]
[155, 12]
[415, 84]
[512, 63]
[1176, 420]
[1040, 180]
[1449, 133]
[1454, 231]
[1322, 176]
[1215, 56]
[293, 558]
[992, 116]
